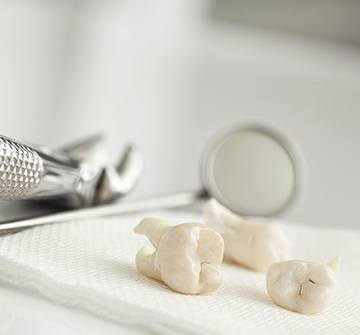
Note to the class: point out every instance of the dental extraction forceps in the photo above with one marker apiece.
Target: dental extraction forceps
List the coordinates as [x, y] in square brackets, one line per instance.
[73, 177]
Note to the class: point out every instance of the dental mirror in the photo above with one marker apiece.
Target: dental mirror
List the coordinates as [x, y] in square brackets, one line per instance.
[252, 170]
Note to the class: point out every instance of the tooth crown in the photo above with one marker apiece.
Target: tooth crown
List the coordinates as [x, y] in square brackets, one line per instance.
[186, 257]
[300, 286]
[252, 244]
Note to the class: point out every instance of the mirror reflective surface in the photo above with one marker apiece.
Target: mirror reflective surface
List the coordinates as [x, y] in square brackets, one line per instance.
[252, 170]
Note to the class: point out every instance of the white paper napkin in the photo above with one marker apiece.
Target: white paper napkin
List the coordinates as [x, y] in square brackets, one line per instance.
[90, 265]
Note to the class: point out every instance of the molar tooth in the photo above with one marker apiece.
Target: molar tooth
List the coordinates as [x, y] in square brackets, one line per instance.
[187, 257]
[308, 295]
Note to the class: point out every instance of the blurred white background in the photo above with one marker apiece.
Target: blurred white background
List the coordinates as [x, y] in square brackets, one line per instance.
[167, 74]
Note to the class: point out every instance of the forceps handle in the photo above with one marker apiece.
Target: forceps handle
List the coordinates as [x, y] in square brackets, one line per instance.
[34, 172]
[166, 201]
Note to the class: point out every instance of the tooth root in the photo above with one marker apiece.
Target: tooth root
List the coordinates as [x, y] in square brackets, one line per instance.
[253, 244]
[153, 229]
[219, 217]
[145, 263]
[334, 264]
[186, 257]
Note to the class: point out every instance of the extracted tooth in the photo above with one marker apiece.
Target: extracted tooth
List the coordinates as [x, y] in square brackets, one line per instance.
[250, 243]
[187, 257]
[300, 286]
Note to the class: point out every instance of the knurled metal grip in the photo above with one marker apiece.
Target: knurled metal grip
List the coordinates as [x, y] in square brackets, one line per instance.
[21, 169]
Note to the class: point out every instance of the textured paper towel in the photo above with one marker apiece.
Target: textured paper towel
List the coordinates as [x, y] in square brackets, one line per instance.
[90, 265]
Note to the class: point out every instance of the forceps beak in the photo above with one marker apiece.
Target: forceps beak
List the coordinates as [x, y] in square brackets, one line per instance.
[116, 180]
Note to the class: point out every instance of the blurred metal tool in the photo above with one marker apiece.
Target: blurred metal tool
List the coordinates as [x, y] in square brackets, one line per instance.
[252, 169]
[75, 176]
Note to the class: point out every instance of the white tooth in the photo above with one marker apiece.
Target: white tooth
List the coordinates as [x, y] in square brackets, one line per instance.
[253, 244]
[300, 286]
[187, 257]
[145, 262]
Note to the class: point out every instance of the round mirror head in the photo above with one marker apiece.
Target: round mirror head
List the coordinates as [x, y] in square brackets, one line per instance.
[252, 170]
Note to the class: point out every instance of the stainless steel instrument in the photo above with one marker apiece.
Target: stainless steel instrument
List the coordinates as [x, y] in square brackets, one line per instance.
[72, 176]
